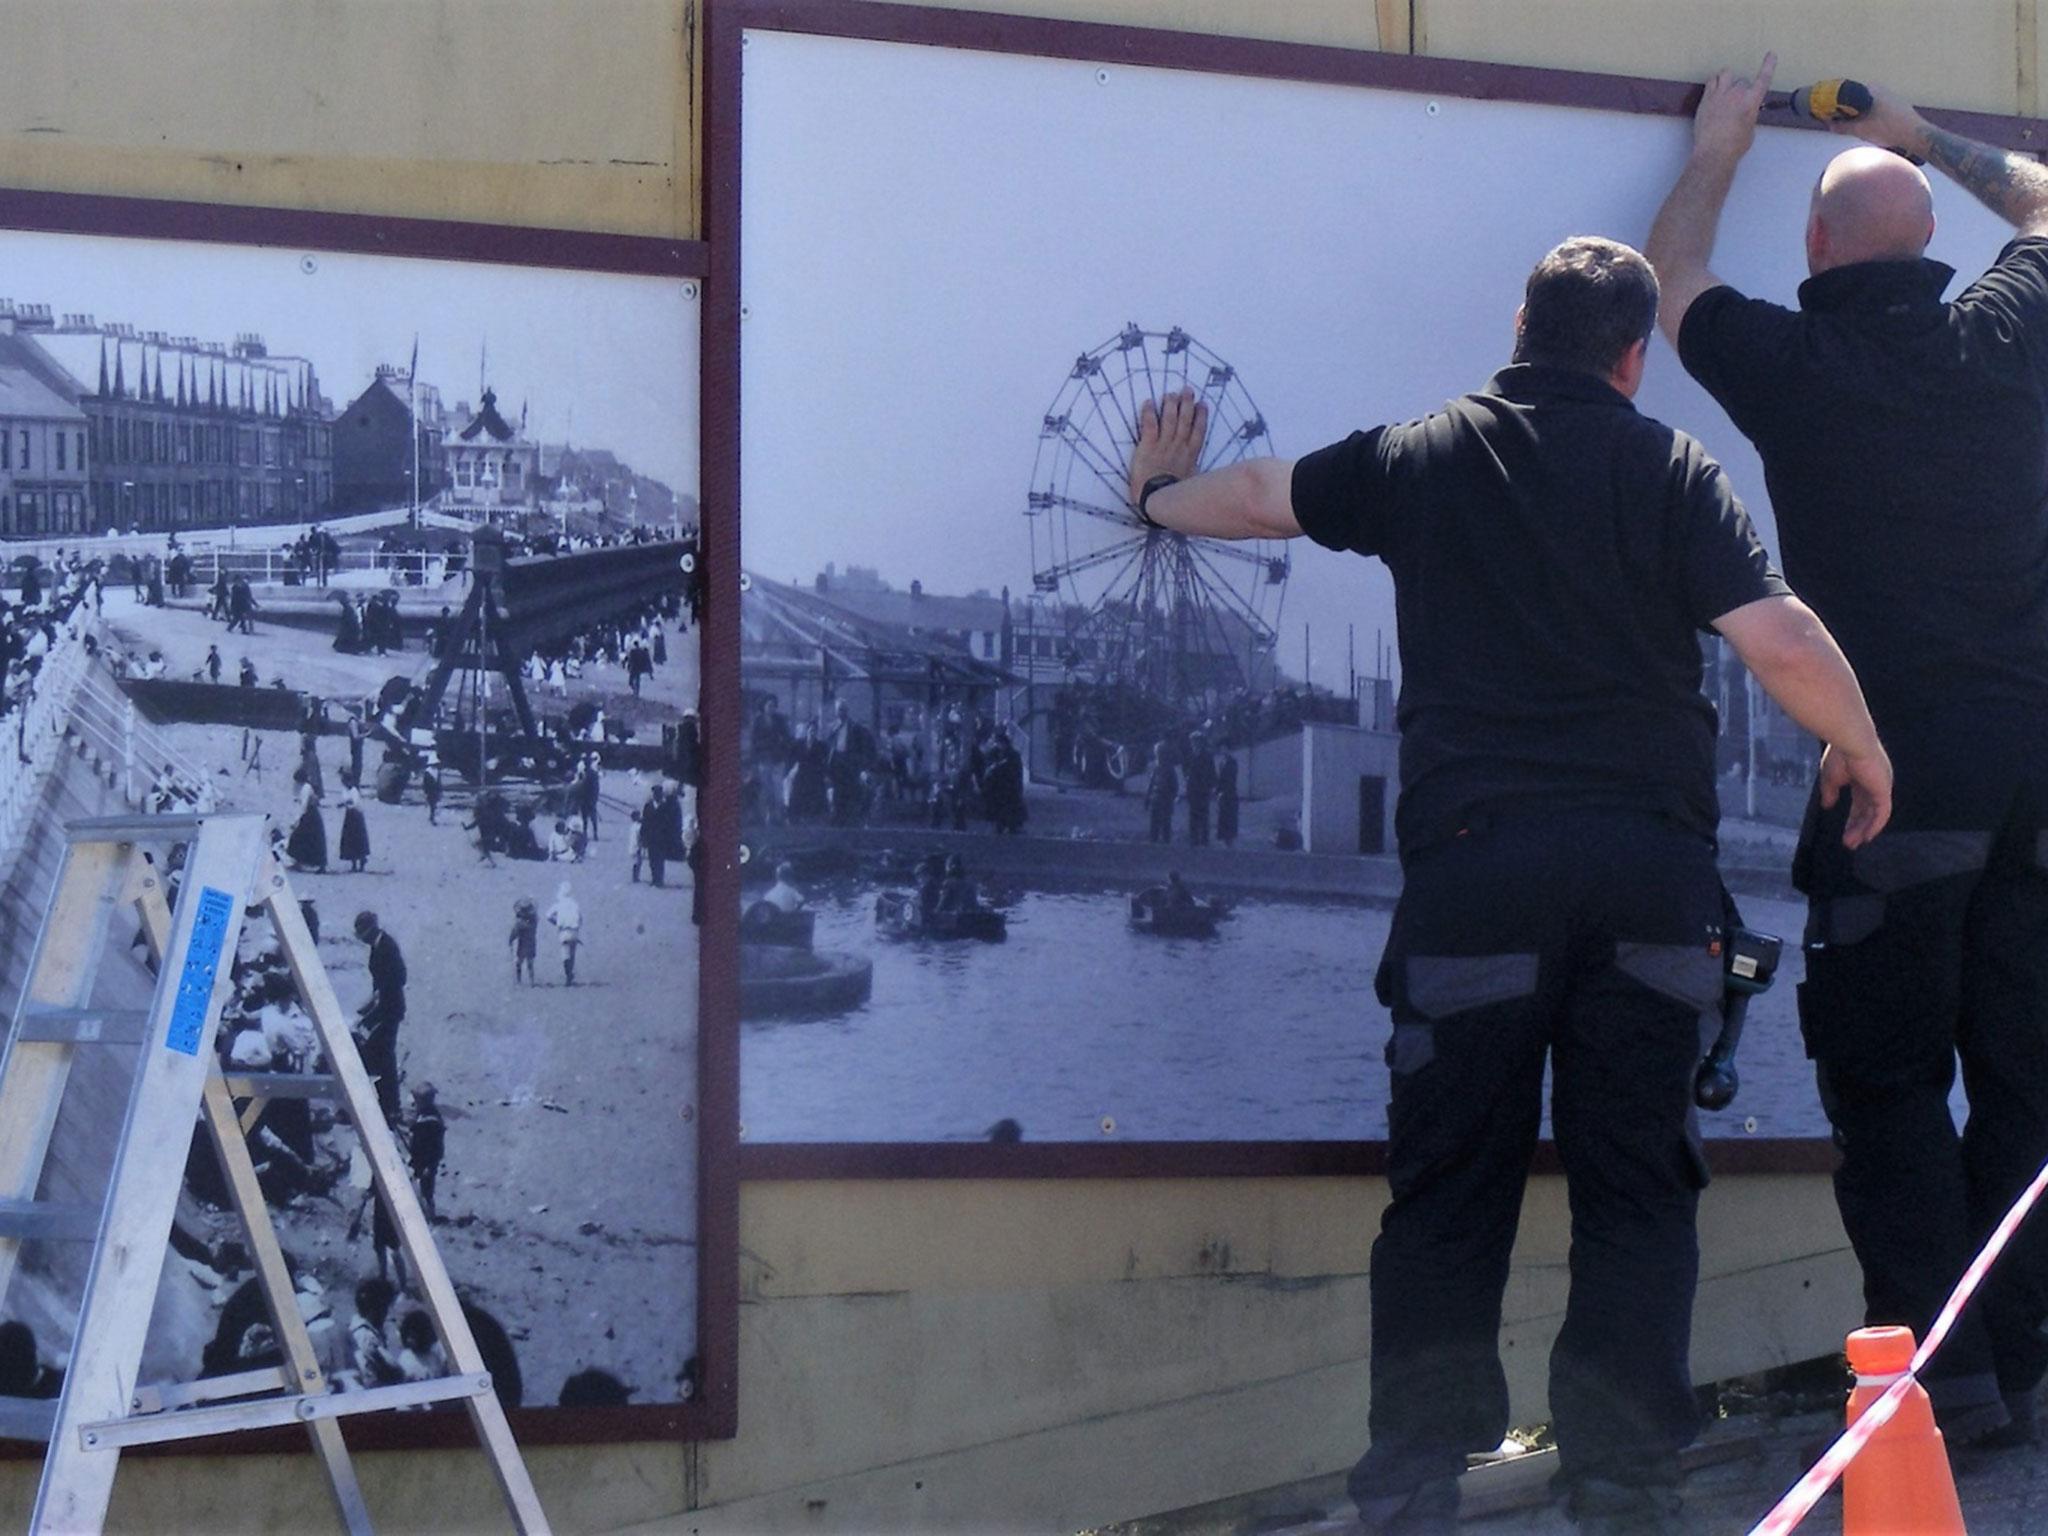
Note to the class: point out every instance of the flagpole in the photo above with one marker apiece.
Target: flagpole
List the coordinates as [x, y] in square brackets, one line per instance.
[412, 414]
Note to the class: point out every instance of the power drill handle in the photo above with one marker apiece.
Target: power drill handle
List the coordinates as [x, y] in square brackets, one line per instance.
[1840, 101]
[1716, 1080]
[1833, 101]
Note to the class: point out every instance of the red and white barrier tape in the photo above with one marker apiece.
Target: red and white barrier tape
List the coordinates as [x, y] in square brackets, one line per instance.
[1809, 1490]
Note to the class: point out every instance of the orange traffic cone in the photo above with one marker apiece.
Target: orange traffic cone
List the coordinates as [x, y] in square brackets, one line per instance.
[1901, 1484]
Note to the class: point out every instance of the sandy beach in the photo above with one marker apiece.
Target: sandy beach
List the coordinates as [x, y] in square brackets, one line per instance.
[567, 1202]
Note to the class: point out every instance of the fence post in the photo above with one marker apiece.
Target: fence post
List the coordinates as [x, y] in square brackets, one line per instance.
[128, 748]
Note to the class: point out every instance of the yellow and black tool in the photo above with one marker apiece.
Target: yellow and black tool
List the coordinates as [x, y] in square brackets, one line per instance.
[1832, 101]
[1840, 101]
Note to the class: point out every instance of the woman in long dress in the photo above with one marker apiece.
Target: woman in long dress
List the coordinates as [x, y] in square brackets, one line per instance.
[307, 846]
[348, 636]
[355, 828]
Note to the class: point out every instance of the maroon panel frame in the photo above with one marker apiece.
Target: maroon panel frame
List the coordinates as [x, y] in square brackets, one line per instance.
[805, 1161]
[151, 218]
[713, 1413]
[726, 23]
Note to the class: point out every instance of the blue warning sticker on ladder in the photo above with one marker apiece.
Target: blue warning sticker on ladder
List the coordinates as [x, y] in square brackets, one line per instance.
[202, 961]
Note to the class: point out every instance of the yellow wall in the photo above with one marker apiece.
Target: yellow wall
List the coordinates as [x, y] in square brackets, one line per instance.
[1057, 1354]
[572, 113]
[926, 1353]
[581, 113]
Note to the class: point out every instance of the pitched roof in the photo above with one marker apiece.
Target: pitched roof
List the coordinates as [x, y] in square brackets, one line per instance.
[25, 397]
[486, 420]
[778, 620]
[919, 613]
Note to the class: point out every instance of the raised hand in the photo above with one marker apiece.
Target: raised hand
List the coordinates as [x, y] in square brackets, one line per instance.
[1891, 122]
[1170, 438]
[1725, 125]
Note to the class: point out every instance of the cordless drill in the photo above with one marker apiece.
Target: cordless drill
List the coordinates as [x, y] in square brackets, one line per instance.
[1839, 101]
[1832, 101]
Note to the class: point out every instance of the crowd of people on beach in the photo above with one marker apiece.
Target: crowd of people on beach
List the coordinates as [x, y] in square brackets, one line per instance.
[300, 1148]
[638, 644]
[50, 606]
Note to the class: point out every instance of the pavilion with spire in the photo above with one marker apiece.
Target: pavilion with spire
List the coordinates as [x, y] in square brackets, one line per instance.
[491, 468]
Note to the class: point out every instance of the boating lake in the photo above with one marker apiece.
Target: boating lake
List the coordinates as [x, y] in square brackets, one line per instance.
[1082, 1030]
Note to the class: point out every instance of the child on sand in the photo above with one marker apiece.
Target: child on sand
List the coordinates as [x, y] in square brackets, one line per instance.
[567, 918]
[525, 939]
[427, 1144]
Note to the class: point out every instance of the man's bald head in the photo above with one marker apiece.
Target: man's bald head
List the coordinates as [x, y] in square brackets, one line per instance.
[1871, 205]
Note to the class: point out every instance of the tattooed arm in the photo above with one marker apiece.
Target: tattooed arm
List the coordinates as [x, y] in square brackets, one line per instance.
[2012, 185]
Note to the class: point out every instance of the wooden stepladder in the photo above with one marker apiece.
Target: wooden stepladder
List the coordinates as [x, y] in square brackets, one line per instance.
[77, 1167]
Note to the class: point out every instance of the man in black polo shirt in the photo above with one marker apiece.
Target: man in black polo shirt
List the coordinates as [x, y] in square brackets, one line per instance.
[1555, 556]
[1905, 443]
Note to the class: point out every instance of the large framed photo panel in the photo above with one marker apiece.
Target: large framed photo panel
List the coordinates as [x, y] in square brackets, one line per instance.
[1091, 824]
[391, 531]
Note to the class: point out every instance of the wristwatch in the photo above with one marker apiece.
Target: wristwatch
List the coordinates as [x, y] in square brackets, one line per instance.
[1145, 494]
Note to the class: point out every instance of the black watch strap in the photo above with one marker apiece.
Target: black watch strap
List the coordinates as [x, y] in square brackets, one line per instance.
[1156, 484]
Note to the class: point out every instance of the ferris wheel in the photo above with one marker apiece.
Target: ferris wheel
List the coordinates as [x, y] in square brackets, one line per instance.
[1187, 621]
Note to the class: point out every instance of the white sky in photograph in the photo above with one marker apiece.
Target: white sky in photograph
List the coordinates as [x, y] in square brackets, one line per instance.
[604, 361]
[931, 236]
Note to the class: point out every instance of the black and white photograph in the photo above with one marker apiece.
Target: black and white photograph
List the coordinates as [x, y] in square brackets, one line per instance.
[401, 554]
[1067, 828]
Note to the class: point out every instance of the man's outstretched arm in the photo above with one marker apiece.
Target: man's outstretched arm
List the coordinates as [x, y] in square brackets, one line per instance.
[1681, 239]
[1785, 644]
[1252, 499]
[2008, 183]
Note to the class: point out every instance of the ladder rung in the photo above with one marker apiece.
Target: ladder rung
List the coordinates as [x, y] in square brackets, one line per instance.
[283, 1085]
[48, 1221]
[27, 1418]
[133, 829]
[82, 1026]
[209, 1389]
[228, 1418]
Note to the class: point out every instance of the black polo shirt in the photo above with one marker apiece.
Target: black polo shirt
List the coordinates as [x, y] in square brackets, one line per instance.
[1905, 444]
[1555, 555]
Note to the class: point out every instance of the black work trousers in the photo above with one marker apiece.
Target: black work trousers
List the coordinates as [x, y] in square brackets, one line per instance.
[1593, 938]
[1928, 944]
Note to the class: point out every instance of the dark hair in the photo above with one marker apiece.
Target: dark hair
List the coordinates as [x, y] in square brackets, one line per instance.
[1586, 304]
[374, 1297]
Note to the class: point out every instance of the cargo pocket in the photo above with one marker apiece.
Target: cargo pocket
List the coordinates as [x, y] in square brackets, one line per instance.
[1686, 974]
[1900, 859]
[1439, 987]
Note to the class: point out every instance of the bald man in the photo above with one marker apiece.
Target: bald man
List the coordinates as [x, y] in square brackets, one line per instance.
[1905, 444]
